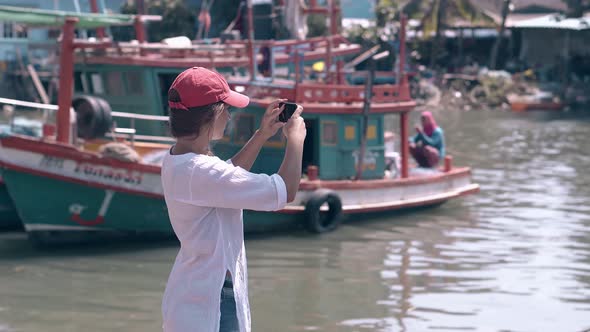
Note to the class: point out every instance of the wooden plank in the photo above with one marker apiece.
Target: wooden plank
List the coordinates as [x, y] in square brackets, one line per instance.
[38, 86]
[139, 116]
[28, 104]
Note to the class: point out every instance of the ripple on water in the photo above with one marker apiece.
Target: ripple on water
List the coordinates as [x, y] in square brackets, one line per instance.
[515, 257]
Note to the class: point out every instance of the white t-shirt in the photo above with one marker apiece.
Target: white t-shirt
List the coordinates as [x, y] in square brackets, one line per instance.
[205, 197]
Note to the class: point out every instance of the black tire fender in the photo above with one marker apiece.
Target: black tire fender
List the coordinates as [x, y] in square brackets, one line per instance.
[323, 221]
[93, 116]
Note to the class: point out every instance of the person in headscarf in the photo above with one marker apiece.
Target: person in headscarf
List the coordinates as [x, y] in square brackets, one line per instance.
[428, 145]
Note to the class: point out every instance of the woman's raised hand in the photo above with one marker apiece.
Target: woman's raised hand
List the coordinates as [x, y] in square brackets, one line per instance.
[294, 129]
[270, 121]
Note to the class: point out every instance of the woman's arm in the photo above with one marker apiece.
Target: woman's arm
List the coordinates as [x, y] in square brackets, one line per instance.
[269, 125]
[290, 169]
[434, 140]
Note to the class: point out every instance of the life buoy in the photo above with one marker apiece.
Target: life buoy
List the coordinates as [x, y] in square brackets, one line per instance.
[93, 116]
[323, 221]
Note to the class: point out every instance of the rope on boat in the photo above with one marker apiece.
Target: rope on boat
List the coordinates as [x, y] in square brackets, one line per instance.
[119, 151]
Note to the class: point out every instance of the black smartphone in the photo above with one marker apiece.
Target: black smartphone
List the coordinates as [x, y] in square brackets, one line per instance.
[287, 111]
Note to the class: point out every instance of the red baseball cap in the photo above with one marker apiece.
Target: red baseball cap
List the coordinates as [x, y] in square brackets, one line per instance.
[198, 86]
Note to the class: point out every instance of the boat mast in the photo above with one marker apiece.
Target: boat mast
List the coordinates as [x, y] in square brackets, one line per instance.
[66, 74]
[402, 88]
[365, 119]
[100, 34]
[329, 42]
[251, 41]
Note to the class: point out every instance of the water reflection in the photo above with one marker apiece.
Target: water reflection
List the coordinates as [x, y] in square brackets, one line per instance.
[515, 257]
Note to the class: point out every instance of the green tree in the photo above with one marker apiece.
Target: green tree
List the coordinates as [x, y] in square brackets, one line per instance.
[317, 24]
[384, 29]
[382, 33]
[178, 18]
[436, 15]
[496, 49]
[576, 8]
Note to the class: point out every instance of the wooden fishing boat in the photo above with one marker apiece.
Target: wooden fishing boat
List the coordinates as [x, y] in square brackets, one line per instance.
[540, 101]
[63, 190]
[46, 19]
[134, 76]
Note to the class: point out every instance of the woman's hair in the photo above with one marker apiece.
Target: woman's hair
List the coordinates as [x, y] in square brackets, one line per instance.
[188, 123]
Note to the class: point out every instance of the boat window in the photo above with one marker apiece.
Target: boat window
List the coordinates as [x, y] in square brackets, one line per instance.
[244, 127]
[350, 133]
[80, 82]
[12, 30]
[96, 84]
[371, 132]
[134, 83]
[311, 144]
[165, 81]
[114, 84]
[329, 133]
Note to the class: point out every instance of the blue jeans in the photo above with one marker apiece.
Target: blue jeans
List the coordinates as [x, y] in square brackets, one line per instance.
[229, 317]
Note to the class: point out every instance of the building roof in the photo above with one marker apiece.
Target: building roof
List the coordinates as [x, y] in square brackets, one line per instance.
[523, 6]
[56, 18]
[521, 9]
[555, 21]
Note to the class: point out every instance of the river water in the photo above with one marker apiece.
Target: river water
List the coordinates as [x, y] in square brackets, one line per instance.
[515, 257]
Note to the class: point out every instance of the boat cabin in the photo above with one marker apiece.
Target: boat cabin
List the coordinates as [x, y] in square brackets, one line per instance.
[86, 190]
[134, 79]
[332, 143]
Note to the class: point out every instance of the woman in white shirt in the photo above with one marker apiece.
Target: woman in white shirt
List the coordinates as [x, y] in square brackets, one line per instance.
[207, 288]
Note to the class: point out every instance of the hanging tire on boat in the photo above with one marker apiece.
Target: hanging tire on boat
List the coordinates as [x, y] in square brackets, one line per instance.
[93, 116]
[318, 221]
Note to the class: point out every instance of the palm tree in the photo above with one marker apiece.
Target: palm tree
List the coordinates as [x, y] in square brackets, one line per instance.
[436, 15]
[576, 8]
[494, 55]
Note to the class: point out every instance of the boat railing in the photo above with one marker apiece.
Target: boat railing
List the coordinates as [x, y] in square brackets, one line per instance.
[130, 133]
[116, 49]
[9, 108]
[304, 44]
[230, 48]
[319, 93]
[326, 93]
[46, 110]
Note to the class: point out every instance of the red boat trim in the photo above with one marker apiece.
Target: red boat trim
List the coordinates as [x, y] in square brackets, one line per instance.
[66, 151]
[526, 107]
[215, 62]
[318, 54]
[69, 152]
[440, 198]
[203, 60]
[289, 210]
[357, 108]
[385, 183]
[78, 181]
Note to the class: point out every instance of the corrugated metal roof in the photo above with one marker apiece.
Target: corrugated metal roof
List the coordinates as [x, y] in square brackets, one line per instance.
[521, 6]
[554, 21]
[554, 5]
[44, 17]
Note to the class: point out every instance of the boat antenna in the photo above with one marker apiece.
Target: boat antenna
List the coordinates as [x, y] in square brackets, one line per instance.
[232, 24]
[251, 41]
[366, 109]
[204, 19]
